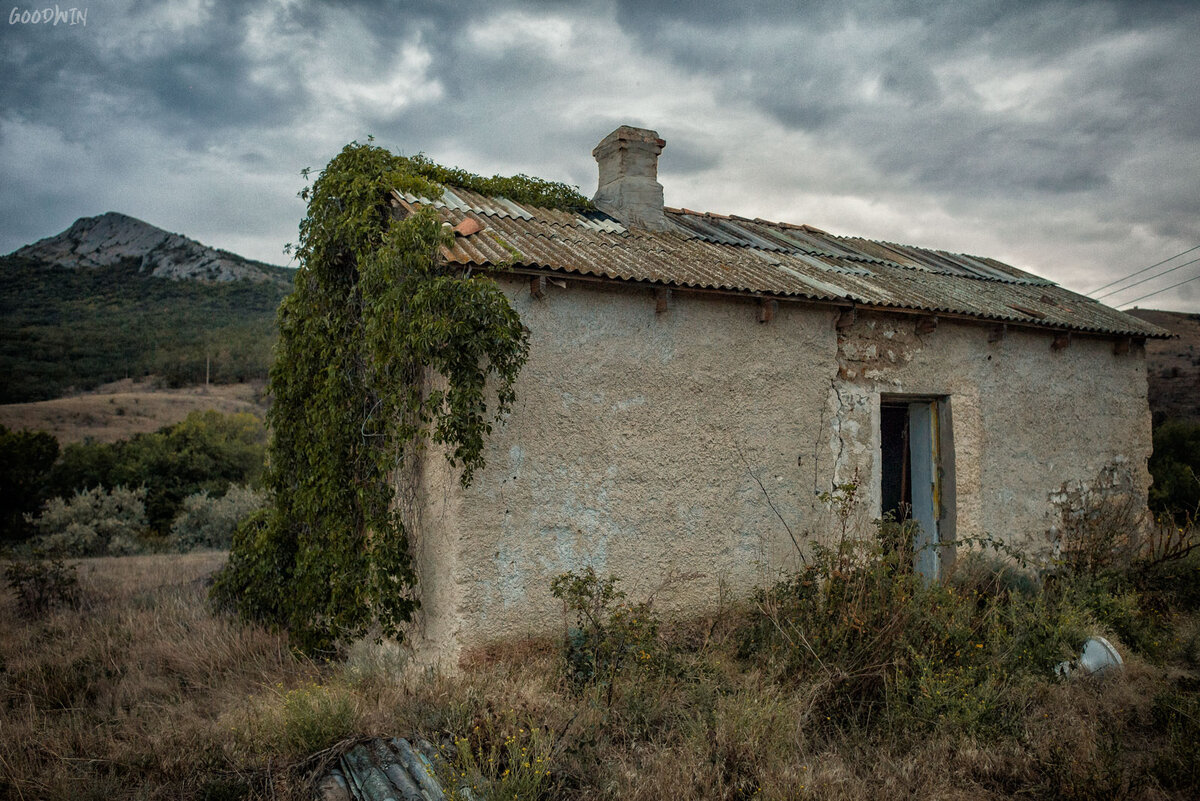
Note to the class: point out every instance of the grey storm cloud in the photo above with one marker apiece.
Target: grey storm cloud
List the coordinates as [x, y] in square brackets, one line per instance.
[807, 70]
[1065, 134]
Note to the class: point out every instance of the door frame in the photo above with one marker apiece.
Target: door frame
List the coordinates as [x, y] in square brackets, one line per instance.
[931, 468]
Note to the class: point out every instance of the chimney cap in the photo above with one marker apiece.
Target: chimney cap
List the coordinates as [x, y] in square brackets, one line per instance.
[628, 133]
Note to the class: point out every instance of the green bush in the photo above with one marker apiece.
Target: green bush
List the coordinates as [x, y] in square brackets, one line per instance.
[609, 636]
[208, 522]
[207, 451]
[25, 461]
[1175, 466]
[42, 583]
[94, 522]
[260, 562]
[879, 642]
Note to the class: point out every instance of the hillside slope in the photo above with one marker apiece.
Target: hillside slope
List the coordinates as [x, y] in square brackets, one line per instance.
[114, 298]
[1173, 365]
[119, 410]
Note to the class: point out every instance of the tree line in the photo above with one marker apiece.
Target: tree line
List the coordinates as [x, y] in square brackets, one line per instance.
[143, 483]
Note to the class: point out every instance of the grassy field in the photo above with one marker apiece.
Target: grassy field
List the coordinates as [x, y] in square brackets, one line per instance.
[137, 690]
[123, 408]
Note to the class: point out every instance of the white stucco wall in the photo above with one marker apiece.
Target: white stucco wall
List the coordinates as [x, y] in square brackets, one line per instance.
[638, 441]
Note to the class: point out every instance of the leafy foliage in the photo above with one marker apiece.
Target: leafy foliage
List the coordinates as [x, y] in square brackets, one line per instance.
[209, 522]
[1175, 466]
[125, 323]
[207, 451]
[95, 522]
[25, 461]
[375, 310]
[41, 583]
[521, 188]
[879, 642]
[610, 634]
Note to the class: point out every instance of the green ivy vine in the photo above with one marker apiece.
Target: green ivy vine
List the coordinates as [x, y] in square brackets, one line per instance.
[375, 313]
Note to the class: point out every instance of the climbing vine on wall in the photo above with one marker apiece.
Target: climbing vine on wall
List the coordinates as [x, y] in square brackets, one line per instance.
[374, 314]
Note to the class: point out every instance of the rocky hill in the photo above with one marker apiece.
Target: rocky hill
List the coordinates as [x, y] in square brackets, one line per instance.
[114, 238]
[1173, 365]
[115, 298]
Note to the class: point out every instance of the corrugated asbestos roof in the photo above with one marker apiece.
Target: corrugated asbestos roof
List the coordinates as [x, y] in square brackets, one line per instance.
[756, 257]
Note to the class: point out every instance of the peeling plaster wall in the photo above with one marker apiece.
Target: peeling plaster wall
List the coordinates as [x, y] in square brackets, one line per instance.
[1027, 420]
[639, 441]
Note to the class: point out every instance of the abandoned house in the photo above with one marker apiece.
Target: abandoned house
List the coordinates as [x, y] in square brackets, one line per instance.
[695, 381]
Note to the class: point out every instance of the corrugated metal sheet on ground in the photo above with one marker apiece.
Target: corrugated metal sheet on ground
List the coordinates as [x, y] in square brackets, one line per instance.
[706, 251]
[384, 770]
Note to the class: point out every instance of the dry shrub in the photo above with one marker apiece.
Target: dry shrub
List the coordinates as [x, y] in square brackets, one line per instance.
[1104, 523]
[41, 583]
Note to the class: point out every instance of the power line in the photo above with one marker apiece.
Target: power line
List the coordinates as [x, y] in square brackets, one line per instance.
[1139, 272]
[1160, 291]
[1144, 280]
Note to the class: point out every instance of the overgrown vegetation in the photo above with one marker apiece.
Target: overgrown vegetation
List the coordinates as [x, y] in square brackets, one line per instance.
[205, 521]
[609, 634]
[520, 188]
[207, 451]
[41, 583]
[64, 329]
[1175, 467]
[134, 688]
[26, 458]
[188, 480]
[374, 311]
[94, 522]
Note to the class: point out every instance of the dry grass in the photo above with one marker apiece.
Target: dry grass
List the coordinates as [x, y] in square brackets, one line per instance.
[128, 694]
[124, 408]
[143, 692]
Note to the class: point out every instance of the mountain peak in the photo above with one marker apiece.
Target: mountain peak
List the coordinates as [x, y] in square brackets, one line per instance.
[113, 237]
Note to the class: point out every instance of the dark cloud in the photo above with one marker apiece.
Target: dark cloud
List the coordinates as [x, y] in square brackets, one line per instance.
[883, 77]
[985, 114]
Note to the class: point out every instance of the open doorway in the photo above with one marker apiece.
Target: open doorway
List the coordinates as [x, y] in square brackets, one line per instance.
[913, 434]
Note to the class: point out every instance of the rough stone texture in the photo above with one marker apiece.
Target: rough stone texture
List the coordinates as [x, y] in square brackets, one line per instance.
[112, 237]
[639, 441]
[628, 188]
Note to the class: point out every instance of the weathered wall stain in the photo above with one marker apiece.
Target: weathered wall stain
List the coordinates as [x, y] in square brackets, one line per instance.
[639, 442]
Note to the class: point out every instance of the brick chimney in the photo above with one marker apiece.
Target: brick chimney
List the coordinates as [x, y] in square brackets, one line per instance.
[629, 189]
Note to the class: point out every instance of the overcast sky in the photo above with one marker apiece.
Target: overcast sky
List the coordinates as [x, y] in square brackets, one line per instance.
[1061, 137]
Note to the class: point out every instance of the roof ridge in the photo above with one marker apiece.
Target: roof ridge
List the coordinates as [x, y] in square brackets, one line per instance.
[759, 220]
